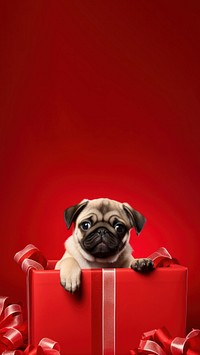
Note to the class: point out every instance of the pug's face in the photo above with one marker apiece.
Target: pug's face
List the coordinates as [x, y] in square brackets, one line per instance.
[102, 227]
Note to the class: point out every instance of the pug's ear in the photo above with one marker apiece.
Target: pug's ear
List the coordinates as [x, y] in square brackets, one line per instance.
[71, 213]
[136, 219]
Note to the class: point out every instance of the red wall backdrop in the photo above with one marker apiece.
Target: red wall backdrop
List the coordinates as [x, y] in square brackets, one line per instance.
[100, 99]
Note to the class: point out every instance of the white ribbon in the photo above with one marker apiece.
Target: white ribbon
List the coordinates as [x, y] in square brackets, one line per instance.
[108, 311]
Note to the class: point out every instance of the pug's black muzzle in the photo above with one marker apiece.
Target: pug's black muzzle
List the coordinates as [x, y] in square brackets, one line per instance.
[101, 243]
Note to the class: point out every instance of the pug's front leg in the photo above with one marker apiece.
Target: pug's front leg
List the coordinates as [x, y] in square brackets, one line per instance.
[70, 274]
[142, 265]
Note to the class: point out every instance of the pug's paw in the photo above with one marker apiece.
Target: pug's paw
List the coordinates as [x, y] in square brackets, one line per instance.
[142, 265]
[70, 277]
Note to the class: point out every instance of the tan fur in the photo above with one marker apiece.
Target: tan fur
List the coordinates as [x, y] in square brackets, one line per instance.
[75, 258]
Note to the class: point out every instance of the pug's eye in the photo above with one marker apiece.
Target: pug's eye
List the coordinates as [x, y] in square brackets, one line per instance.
[85, 225]
[120, 228]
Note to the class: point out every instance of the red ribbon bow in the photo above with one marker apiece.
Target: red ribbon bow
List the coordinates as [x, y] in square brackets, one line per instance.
[46, 346]
[31, 258]
[160, 342]
[162, 258]
[12, 327]
[13, 333]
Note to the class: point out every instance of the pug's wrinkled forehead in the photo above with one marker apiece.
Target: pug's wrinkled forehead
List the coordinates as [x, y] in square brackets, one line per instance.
[104, 210]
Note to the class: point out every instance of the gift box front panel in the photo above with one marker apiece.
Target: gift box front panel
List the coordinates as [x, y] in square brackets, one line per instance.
[143, 302]
[146, 302]
[59, 315]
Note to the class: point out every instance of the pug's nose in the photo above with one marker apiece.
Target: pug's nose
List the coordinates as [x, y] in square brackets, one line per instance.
[101, 231]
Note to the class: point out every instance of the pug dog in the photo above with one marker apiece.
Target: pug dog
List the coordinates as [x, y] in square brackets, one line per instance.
[100, 239]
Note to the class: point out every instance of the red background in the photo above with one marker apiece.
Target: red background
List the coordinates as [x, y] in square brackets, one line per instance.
[100, 99]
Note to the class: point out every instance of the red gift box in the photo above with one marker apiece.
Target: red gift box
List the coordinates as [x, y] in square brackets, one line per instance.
[111, 310]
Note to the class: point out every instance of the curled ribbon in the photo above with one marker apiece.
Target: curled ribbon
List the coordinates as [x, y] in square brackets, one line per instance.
[30, 258]
[12, 327]
[46, 346]
[162, 258]
[159, 342]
